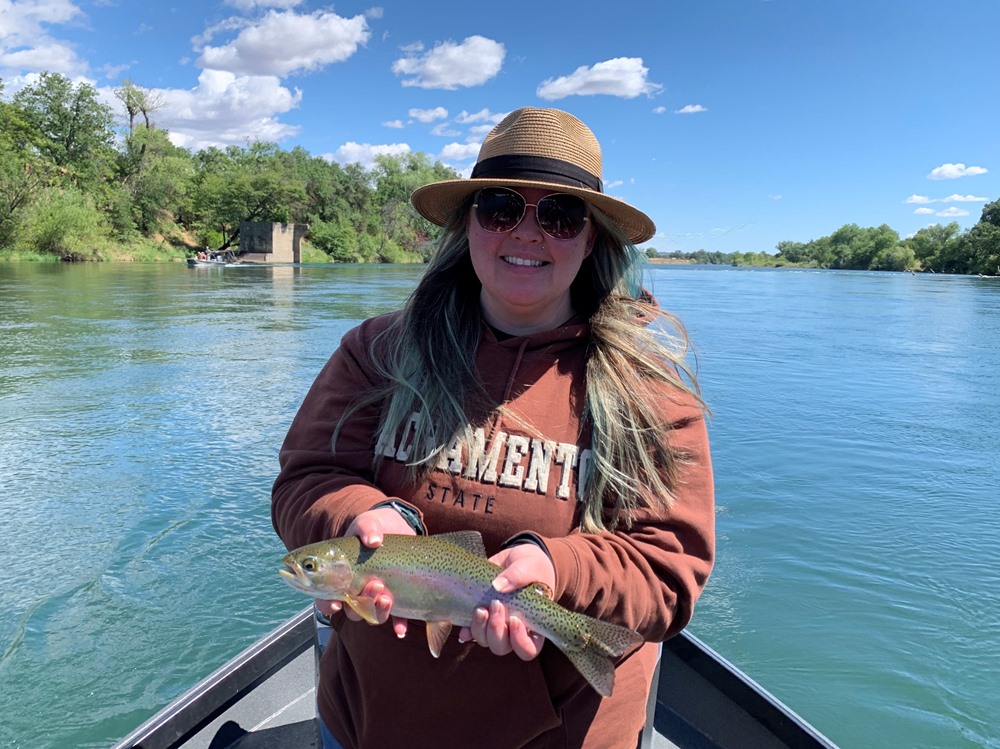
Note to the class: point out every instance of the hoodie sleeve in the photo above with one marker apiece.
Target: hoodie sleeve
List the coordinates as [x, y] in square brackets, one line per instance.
[649, 576]
[318, 493]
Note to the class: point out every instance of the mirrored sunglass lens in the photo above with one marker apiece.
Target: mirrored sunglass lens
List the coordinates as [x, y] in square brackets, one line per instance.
[562, 216]
[499, 210]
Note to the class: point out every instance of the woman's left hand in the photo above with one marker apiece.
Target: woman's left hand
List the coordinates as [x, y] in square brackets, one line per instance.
[493, 628]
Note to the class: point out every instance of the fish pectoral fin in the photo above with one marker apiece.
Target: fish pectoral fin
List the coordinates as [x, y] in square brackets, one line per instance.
[363, 606]
[437, 635]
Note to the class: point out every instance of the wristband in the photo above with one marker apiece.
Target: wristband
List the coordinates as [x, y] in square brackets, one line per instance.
[410, 515]
[526, 537]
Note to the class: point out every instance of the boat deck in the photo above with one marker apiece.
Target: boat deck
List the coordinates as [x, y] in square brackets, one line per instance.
[265, 699]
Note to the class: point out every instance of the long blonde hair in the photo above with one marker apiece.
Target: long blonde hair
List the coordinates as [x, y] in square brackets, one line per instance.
[428, 360]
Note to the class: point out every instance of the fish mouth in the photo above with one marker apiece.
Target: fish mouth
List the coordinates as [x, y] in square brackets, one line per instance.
[295, 576]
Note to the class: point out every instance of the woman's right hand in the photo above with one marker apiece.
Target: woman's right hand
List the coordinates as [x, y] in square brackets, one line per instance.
[371, 527]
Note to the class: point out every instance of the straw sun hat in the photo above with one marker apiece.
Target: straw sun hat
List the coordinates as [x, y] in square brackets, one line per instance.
[545, 148]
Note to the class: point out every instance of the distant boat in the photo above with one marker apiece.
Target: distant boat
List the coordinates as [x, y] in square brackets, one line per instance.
[266, 698]
[213, 259]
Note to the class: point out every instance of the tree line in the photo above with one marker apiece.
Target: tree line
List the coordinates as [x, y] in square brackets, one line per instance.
[75, 185]
[936, 249]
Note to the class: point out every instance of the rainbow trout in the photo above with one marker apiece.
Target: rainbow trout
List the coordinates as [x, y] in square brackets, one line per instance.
[441, 580]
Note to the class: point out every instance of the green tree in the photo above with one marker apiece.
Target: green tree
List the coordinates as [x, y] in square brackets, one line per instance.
[138, 100]
[934, 246]
[23, 173]
[155, 174]
[980, 246]
[898, 257]
[242, 184]
[792, 252]
[396, 177]
[63, 222]
[75, 130]
[338, 239]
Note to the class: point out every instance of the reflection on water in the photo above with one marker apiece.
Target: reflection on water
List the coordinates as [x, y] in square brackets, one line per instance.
[854, 439]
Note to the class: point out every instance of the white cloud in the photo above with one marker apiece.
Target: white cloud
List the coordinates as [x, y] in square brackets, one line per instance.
[483, 115]
[444, 130]
[924, 211]
[282, 43]
[450, 66]
[50, 56]
[691, 109]
[924, 200]
[954, 171]
[226, 24]
[365, 153]
[459, 151]
[113, 71]
[397, 124]
[428, 115]
[248, 5]
[613, 185]
[659, 110]
[22, 21]
[952, 212]
[225, 109]
[622, 76]
[25, 45]
[963, 199]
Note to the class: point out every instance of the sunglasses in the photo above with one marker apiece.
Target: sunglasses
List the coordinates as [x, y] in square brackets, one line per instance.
[560, 215]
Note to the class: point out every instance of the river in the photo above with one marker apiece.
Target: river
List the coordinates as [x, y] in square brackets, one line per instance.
[855, 436]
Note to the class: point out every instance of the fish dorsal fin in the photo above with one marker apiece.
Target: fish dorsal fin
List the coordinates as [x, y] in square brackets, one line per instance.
[471, 541]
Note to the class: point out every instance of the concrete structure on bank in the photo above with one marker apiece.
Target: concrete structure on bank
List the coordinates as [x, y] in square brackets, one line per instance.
[269, 242]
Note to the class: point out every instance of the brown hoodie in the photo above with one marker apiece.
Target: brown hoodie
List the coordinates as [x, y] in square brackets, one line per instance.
[377, 691]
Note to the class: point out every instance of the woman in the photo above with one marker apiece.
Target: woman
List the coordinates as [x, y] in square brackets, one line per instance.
[527, 390]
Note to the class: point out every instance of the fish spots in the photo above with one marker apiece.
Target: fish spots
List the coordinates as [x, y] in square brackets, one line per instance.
[461, 499]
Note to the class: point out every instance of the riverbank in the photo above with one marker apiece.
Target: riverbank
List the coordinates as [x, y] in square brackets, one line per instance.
[142, 251]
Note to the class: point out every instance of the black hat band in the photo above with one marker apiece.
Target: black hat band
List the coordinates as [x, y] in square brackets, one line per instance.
[540, 168]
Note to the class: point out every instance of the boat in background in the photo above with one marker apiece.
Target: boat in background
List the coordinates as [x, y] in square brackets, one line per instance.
[265, 698]
[213, 259]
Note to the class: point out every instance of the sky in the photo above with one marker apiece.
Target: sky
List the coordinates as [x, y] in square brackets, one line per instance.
[735, 124]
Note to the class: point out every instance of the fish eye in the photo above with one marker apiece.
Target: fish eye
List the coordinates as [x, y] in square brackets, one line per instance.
[310, 564]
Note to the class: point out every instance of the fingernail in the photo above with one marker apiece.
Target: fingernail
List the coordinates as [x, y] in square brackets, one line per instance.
[500, 583]
[482, 613]
[385, 601]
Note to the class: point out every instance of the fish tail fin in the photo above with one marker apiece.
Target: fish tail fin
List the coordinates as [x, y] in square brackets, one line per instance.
[595, 667]
[596, 648]
[611, 639]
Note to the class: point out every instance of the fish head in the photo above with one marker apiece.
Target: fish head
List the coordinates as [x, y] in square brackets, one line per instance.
[321, 570]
